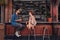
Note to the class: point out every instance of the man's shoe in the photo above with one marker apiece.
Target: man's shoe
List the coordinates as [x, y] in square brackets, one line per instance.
[17, 34]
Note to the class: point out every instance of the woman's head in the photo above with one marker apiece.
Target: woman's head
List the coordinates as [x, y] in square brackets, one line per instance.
[31, 12]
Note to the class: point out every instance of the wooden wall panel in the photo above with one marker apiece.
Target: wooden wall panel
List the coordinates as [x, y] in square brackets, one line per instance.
[1, 34]
[9, 30]
[39, 29]
[1, 31]
[54, 10]
[8, 10]
[57, 29]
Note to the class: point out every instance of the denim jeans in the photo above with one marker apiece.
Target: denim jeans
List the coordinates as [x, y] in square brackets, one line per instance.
[19, 26]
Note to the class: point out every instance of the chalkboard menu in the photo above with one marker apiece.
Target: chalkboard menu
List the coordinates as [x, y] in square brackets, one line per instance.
[41, 9]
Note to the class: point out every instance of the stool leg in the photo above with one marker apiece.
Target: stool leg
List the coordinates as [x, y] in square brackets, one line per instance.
[29, 35]
[43, 34]
[48, 36]
[34, 34]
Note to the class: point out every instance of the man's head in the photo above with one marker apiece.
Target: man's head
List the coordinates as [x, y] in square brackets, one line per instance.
[18, 10]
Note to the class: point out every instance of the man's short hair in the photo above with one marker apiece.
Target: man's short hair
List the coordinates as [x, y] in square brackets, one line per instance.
[17, 8]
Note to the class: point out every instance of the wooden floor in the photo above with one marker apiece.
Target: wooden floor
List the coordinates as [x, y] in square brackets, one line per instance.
[32, 38]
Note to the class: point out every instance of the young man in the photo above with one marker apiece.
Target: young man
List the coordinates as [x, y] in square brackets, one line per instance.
[17, 22]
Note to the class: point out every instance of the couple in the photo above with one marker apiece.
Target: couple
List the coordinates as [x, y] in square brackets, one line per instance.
[14, 21]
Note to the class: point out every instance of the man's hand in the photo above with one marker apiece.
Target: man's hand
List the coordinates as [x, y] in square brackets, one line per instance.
[19, 20]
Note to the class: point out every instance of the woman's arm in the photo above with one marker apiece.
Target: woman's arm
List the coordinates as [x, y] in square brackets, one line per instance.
[34, 21]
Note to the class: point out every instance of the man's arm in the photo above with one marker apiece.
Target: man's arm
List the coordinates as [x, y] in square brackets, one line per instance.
[18, 20]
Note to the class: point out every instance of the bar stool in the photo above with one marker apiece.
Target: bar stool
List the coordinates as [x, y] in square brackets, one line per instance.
[32, 33]
[44, 33]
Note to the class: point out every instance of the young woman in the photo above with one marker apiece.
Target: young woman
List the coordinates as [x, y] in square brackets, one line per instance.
[32, 21]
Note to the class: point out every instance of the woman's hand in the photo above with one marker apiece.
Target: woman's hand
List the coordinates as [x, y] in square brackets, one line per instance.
[27, 22]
